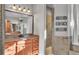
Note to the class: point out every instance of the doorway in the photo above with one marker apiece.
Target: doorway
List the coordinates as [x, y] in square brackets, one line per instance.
[49, 30]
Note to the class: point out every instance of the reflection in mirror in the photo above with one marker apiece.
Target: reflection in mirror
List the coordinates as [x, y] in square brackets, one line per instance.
[16, 23]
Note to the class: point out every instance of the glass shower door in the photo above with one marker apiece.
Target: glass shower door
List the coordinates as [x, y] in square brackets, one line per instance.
[74, 28]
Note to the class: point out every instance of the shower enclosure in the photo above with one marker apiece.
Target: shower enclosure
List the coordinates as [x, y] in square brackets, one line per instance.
[65, 38]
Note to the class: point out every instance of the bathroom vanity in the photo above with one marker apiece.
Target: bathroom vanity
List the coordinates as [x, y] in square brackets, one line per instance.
[19, 37]
[22, 46]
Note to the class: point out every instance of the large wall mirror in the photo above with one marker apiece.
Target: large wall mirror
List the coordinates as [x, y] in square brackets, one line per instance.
[18, 23]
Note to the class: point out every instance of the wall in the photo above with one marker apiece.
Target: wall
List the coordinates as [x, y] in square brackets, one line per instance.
[39, 25]
[60, 10]
[60, 43]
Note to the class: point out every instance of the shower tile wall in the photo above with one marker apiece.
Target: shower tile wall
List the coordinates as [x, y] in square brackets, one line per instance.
[49, 27]
[60, 41]
[61, 46]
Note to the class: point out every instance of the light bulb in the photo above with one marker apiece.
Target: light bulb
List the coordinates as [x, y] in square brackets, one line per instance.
[14, 7]
[29, 10]
[24, 10]
[19, 8]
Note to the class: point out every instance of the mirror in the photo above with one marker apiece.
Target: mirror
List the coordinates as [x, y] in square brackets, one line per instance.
[17, 23]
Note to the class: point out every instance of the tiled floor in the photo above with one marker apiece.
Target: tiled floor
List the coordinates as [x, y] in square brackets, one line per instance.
[73, 53]
[49, 50]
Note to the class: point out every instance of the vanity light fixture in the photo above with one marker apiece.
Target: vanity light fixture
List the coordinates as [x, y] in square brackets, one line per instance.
[14, 7]
[19, 8]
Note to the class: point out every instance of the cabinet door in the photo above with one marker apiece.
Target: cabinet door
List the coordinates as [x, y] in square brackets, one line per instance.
[35, 46]
[28, 45]
[20, 47]
[10, 48]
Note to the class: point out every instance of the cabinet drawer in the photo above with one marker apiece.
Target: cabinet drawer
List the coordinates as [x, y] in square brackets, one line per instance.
[9, 44]
[20, 42]
[13, 47]
[27, 46]
[28, 41]
[35, 40]
[20, 46]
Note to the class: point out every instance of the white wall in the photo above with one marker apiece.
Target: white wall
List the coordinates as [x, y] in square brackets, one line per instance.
[60, 10]
[39, 25]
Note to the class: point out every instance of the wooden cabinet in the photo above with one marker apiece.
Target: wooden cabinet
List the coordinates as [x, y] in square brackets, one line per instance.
[20, 47]
[28, 45]
[23, 47]
[35, 46]
[10, 48]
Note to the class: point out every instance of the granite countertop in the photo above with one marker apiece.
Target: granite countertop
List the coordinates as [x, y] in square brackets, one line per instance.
[17, 38]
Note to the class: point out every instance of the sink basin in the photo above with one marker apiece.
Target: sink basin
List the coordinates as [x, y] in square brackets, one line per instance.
[23, 38]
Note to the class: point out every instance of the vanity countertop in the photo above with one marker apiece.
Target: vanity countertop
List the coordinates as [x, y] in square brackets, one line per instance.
[20, 38]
